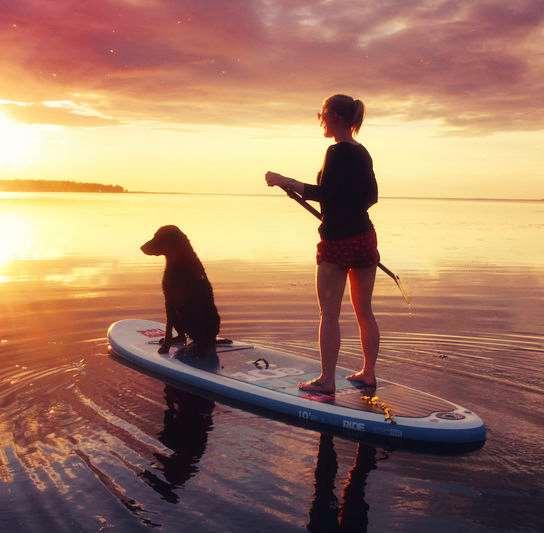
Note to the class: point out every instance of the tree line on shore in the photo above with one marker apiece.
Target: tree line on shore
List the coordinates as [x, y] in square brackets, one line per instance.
[56, 186]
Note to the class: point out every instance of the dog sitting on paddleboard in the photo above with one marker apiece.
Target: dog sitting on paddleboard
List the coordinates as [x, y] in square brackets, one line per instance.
[188, 294]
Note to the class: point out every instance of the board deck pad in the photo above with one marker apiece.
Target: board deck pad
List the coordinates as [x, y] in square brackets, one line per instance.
[285, 372]
[268, 378]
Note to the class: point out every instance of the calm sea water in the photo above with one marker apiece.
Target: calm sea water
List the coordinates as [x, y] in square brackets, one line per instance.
[90, 445]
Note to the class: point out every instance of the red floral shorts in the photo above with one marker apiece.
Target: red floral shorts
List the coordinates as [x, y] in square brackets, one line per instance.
[357, 251]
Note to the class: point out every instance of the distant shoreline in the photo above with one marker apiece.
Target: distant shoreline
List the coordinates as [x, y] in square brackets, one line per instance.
[57, 186]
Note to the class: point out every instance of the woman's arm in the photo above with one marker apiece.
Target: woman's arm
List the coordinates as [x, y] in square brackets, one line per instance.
[312, 192]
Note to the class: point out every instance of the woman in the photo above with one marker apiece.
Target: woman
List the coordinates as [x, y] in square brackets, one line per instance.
[346, 188]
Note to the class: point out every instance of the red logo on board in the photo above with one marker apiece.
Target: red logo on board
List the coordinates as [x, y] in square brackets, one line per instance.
[152, 333]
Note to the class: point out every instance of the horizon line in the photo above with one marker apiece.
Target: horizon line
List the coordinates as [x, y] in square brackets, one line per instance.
[459, 198]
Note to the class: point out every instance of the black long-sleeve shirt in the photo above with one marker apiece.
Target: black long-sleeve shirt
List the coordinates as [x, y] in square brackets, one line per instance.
[346, 188]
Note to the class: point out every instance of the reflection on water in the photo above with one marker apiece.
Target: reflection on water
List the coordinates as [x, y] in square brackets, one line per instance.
[413, 234]
[88, 444]
[187, 422]
[17, 238]
[326, 515]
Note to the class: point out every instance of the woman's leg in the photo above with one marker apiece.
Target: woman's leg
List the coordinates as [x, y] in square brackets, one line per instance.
[330, 285]
[361, 282]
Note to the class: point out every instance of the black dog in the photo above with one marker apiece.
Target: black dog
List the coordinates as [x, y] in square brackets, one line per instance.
[188, 295]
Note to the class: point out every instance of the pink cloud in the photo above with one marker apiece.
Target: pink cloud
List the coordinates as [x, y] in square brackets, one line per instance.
[68, 114]
[476, 66]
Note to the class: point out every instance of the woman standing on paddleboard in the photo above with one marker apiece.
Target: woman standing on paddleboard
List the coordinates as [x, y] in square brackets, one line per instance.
[346, 188]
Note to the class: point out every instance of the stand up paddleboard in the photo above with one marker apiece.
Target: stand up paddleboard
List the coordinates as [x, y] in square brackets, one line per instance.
[265, 378]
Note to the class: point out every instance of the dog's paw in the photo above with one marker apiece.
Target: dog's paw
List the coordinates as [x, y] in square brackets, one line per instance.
[164, 348]
[180, 339]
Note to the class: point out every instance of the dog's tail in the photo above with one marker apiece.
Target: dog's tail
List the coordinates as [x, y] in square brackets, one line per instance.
[222, 340]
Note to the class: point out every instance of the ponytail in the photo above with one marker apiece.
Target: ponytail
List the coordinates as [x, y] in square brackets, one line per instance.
[358, 115]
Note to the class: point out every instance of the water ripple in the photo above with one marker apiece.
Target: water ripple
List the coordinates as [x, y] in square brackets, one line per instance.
[81, 432]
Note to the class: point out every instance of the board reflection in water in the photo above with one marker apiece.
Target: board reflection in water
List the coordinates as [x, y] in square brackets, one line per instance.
[327, 515]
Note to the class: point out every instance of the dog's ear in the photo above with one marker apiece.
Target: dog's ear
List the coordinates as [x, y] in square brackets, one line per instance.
[172, 239]
[183, 245]
[173, 236]
[185, 251]
[184, 240]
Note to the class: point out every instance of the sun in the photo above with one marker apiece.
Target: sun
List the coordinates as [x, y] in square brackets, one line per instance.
[18, 143]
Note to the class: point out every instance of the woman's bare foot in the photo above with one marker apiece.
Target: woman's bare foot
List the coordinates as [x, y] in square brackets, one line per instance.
[317, 385]
[361, 379]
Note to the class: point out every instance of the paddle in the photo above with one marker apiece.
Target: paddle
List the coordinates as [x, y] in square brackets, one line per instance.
[295, 196]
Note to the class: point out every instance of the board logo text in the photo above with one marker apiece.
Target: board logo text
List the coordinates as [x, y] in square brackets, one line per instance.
[351, 424]
[152, 333]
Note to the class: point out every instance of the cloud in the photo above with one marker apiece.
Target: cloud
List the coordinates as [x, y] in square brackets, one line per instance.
[56, 112]
[475, 66]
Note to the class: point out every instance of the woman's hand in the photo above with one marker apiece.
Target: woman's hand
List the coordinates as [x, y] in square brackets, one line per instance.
[273, 178]
[287, 184]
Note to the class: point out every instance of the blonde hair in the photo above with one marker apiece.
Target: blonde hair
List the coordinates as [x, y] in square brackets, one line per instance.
[351, 110]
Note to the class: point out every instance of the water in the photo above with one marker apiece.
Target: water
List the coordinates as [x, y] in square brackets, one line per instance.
[88, 444]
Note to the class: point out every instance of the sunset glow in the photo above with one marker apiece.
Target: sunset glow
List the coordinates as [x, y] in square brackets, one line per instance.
[182, 97]
[18, 143]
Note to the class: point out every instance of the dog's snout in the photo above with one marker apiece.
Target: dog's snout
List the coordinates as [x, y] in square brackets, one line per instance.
[147, 248]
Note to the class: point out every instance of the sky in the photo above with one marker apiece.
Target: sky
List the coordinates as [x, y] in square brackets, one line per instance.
[206, 96]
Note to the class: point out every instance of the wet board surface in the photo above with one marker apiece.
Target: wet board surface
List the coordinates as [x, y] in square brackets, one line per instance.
[268, 378]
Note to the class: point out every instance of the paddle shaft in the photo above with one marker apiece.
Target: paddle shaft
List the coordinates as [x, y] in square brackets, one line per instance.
[295, 196]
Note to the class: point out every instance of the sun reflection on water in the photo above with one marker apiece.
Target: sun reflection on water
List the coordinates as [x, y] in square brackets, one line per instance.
[41, 227]
[17, 239]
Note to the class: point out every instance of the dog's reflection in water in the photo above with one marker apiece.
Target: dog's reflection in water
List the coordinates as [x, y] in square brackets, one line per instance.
[187, 422]
[326, 515]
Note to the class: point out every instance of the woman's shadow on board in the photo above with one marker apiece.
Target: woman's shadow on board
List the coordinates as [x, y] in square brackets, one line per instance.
[326, 514]
[187, 423]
